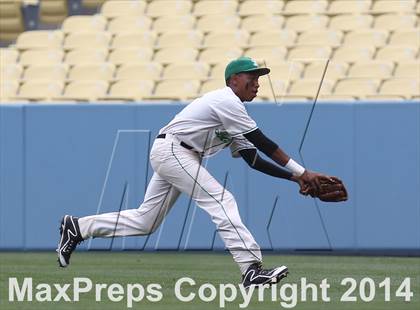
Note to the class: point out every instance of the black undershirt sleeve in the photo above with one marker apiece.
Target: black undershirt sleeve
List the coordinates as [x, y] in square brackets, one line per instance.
[256, 162]
[261, 142]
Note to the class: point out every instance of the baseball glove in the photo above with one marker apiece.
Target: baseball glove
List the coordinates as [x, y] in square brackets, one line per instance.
[331, 189]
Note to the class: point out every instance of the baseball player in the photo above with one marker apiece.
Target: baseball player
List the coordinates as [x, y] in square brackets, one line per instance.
[208, 124]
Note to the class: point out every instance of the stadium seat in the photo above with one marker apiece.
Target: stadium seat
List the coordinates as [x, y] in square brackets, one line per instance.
[86, 55]
[405, 88]
[84, 91]
[92, 72]
[408, 70]
[174, 23]
[193, 71]
[52, 11]
[8, 56]
[227, 38]
[212, 84]
[93, 4]
[214, 55]
[269, 54]
[305, 22]
[349, 7]
[395, 21]
[335, 70]
[218, 71]
[217, 22]
[191, 38]
[40, 90]
[406, 37]
[84, 24]
[116, 8]
[175, 54]
[40, 39]
[129, 23]
[354, 54]
[309, 88]
[169, 7]
[252, 7]
[208, 7]
[357, 87]
[144, 71]
[134, 39]
[321, 37]
[10, 72]
[131, 55]
[335, 98]
[283, 37]
[348, 22]
[255, 23]
[366, 37]
[176, 89]
[91, 39]
[8, 89]
[310, 52]
[11, 20]
[393, 6]
[265, 92]
[130, 90]
[57, 72]
[397, 53]
[41, 57]
[305, 7]
[371, 69]
[291, 70]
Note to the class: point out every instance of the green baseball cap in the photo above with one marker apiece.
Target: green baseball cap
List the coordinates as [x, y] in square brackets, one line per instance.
[244, 64]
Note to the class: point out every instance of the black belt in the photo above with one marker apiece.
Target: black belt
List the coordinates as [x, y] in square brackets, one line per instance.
[163, 136]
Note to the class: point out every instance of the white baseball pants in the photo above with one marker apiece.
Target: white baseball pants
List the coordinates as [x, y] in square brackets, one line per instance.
[177, 170]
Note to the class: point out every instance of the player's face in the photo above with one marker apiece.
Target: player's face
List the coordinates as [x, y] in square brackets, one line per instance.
[247, 85]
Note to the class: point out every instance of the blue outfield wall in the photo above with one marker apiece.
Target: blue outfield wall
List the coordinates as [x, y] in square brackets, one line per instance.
[77, 159]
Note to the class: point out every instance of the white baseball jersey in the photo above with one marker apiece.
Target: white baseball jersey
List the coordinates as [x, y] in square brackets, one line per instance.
[212, 122]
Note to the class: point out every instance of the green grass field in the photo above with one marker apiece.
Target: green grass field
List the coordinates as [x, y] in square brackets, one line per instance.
[165, 268]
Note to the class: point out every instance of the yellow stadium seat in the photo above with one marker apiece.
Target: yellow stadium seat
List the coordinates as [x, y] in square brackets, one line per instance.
[92, 72]
[309, 88]
[214, 55]
[175, 54]
[354, 54]
[291, 70]
[349, 7]
[176, 89]
[8, 89]
[84, 90]
[310, 52]
[53, 11]
[283, 37]
[418, 8]
[218, 71]
[357, 87]
[40, 39]
[131, 55]
[254, 23]
[191, 38]
[130, 90]
[218, 22]
[134, 39]
[406, 37]
[408, 70]
[321, 37]
[397, 53]
[306, 22]
[117, 8]
[129, 23]
[371, 69]
[265, 92]
[335, 70]
[40, 90]
[38, 57]
[252, 7]
[395, 21]
[10, 72]
[348, 22]
[93, 4]
[174, 23]
[212, 84]
[227, 38]
[207, 7]
[193, 71]
[335, 98]
[144, 71]
[393, 6]
[169, 7]
[84, 23]
[8, 56]
[11, 21]
[405, 88]
[57, 72]
[305, 7]
[269, 54]
[86, 55]
[90, 39]
[366, 37]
